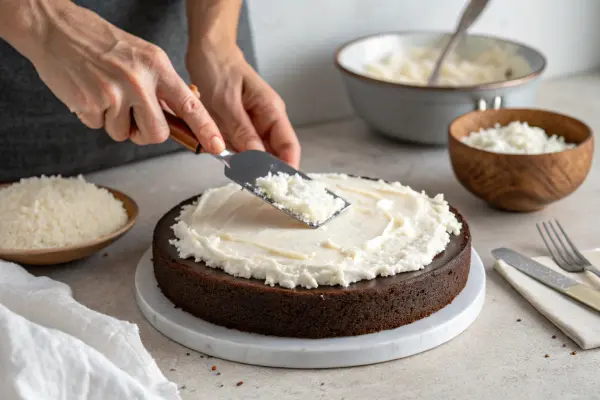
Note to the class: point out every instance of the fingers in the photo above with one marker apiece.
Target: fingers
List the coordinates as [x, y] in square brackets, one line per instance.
[117, 122]
[272, 123]
[91, 119]
[150, 122]
[187, 106]
[240, 130]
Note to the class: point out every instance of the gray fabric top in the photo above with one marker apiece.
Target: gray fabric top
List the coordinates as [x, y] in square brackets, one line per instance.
[39, 135]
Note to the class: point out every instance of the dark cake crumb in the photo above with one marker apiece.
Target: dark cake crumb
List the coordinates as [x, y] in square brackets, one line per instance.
[518, 319]
[182, 387]
[172, 369]
[553, 336]
[564, 345]
[322, 383]
[214, 367]
[187, 354]
[547, 356]
[221, 385]
[240, 383]
[573, 353]
[218, 373]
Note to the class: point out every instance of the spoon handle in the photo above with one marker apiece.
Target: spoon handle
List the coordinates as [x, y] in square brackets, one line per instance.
[468, 17]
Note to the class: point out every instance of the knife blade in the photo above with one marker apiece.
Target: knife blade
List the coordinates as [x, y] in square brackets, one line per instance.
[559, 282]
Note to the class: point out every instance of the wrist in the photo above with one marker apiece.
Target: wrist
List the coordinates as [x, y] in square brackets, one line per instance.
[212, 24]
[25, 24]
[213, 53]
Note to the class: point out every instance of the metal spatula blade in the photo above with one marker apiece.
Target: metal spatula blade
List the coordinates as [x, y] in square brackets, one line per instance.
[246, 167]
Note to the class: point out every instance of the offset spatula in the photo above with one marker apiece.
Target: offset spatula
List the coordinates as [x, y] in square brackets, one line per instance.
[245, 167]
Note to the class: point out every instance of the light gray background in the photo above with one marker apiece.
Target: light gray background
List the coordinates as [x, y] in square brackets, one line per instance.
[294, 41]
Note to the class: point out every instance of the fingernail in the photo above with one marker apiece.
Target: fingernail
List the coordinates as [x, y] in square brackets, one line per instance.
[217, 145]
[254, 145]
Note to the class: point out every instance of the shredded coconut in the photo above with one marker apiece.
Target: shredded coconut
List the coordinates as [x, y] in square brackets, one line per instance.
[51, 212]
[516, 138]
[309, 199]
[416, 65]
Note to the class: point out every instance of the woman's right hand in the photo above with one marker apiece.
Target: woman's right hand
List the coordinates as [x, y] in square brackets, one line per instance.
[111, 79]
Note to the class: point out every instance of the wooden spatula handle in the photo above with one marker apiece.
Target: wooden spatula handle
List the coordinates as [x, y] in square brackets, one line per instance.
[181, 133]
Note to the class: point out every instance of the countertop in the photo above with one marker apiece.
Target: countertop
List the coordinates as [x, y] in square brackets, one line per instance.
[496, 358]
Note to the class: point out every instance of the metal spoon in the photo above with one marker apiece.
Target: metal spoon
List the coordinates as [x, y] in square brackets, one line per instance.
[468, 17]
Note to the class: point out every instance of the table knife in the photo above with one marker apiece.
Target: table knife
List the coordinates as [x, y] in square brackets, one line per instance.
[557, 281]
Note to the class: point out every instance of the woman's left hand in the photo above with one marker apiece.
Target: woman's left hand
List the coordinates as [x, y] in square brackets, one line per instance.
[248, 112]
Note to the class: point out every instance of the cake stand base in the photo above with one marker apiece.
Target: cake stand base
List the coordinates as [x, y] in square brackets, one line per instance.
[271, 351]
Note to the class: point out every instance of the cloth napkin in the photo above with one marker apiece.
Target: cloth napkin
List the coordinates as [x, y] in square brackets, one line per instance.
[52, 347]
[580, 323]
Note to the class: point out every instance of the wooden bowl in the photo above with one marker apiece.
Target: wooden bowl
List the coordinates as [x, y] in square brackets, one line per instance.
[61, 255]
[519, 182]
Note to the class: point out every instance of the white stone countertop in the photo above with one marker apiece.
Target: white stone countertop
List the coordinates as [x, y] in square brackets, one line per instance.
[496, 358]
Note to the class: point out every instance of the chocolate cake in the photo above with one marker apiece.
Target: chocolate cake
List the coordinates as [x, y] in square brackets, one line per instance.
[363, 307]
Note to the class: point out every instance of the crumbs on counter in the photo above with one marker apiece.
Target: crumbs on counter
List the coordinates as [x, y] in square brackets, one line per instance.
[187, 354]
[214, 367]
[518, 319]
[564, 345]
[322, 383]
[172, 369]
[553, 336]
[221, 385]
[573, 353]
[240, 383]
[183, 387]
[218, 373]
[547, 356]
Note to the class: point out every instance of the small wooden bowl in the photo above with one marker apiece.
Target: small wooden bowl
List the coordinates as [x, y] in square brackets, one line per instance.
[63, 255]
[518, 182]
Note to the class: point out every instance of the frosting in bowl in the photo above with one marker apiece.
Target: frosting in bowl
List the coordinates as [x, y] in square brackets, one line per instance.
[388, 229]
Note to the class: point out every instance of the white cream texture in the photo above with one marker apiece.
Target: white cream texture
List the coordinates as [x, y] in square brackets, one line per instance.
[516, 138]
[308, 199]
[414, 67]
[388, 229]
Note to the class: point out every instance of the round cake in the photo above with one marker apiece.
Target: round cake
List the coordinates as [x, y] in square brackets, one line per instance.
[230, 259]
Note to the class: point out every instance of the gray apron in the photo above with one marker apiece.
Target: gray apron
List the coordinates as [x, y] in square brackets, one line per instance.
[39, 135]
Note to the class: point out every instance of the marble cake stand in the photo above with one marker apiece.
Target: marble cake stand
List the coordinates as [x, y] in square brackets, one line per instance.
[271, 351]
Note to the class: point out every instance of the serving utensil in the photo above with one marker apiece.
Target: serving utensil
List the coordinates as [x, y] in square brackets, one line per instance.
[61, 255]
[559, 282]
[468, 17]
[246, 167]
[567, 256]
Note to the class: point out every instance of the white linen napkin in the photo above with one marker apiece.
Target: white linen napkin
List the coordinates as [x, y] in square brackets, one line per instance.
[579, 322]
[52, 347]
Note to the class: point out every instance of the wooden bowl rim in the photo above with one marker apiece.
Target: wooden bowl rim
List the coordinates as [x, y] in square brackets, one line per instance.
[131, 220]
[453, 138]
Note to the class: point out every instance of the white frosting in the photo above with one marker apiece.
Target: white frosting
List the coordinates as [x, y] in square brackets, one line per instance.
[389, 229]
[308, 199]
[415, 65]
[516, 138]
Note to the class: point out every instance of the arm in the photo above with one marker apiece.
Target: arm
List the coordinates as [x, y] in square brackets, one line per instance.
[241, 102]
[103, 74]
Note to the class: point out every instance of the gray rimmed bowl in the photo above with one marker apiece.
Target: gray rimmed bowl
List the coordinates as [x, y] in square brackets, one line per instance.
[421, 114]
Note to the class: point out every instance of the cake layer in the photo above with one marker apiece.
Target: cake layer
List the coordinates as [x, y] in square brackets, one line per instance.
[327, 311]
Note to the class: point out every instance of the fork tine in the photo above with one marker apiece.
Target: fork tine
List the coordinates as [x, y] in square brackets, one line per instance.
[548, 247]
[565, 248]
[582, 259]
[563, 264]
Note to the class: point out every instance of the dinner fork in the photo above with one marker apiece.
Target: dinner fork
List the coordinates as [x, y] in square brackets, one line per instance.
[568, 257]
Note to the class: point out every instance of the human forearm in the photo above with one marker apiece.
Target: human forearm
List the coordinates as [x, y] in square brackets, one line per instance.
[212, 23]
[24, 24]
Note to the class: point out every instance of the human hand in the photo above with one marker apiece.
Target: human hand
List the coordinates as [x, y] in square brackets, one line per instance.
[116, 81]
[249, 113]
